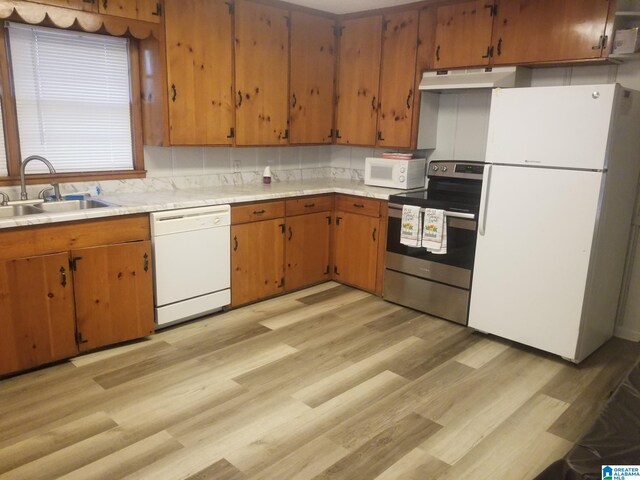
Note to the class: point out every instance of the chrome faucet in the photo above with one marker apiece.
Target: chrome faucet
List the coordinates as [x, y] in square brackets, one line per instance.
[23, 184]
[5, 199]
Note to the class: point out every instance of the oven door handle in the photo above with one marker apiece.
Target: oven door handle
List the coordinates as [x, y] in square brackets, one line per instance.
[484, 195]
[395, 211]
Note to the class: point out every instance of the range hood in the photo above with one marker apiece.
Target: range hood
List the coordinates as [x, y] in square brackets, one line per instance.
[470, 79]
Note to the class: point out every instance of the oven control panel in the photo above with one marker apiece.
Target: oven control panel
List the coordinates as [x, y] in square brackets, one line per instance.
[469, 170]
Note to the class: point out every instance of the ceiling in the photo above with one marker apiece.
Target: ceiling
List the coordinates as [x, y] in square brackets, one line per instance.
[348, 6]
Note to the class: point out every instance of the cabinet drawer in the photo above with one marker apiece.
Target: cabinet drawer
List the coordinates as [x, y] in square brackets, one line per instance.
[254, 212]
[301, 206]
[363, 206]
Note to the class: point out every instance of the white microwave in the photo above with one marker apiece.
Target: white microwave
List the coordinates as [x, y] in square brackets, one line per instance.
[392, 173]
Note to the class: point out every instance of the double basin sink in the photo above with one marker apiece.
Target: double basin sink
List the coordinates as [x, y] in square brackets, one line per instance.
[51, 207]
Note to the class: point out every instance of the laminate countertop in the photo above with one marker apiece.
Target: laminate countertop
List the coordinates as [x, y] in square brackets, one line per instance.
[144, 202]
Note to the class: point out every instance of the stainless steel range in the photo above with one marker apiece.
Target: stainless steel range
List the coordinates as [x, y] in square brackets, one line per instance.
[438, 284]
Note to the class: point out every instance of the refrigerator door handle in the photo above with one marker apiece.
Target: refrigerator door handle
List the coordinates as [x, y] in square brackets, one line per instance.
[484, 194]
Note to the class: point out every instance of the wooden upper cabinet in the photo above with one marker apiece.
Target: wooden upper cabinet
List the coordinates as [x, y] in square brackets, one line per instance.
[145, 10]
[397, 84]
[83, 5]
[463, 34]
[37, 317]
[262, 74]
[313, 59]
[528, 31]
[113, 293]
[200, 71]
[358, 81]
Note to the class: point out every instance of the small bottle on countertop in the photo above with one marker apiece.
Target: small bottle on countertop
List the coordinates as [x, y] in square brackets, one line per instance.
[266, 176]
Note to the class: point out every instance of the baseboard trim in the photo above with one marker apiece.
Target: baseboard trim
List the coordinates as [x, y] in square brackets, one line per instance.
[627, 334]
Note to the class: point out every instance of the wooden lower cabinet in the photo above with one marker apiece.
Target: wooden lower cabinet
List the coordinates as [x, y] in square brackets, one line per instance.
[257, 260]
[113, 293]
[308, 251]
[37, 318]
[356, 249]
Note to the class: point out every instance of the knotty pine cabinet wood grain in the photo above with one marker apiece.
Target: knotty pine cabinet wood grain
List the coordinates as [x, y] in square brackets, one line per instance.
[37, 317]
[308, 250]
[356, 249]
[257, 260]
[313, 60]
[261, 74]
[463, 34]
[200, 71]
[397, 80]
[358, 81]
[113, 293]
[548, 30]
[145, 10]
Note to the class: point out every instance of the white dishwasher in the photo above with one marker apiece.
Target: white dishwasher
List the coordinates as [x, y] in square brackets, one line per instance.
[191, 250]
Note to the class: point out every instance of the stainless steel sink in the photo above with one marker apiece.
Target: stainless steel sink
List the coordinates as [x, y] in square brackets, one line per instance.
[51, 207]
[18, 210]
[72, 205]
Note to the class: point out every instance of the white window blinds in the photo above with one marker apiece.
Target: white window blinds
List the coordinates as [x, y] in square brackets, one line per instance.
[73, 98]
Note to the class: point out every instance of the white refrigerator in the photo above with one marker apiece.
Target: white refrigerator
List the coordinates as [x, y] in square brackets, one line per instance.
[555, 215]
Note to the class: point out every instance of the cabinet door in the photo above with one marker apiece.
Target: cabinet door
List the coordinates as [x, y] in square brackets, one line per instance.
[399, 49]
[307, 250]
[257, 260]
[262, 74]
[37, 318]
[145, 10]
[199, 69]
[114, 293]
[313, 62]
[356, 249]
[72, 4]
[548, 30]
[463, 34]
[358, 81]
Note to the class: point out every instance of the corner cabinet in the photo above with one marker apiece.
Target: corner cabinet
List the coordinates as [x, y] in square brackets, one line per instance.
[262, 74]
[313, 60]
[71, 287]
[200, 71]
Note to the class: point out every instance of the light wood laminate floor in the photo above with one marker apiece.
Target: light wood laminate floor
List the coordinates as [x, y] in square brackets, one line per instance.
[328, 383]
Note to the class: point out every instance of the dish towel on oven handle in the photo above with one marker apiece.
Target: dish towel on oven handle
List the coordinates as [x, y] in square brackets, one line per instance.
[434, 231]
[411, 226]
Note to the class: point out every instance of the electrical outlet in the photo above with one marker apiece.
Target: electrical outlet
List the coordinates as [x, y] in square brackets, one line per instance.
[236, 166]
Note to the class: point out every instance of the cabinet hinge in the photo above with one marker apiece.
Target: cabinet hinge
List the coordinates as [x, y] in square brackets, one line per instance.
[335, 270]
[385, 25]
[282, 228]
[288, 21]
[88, 1]
[329, 220]
[489, 53]
[493, 9]
[232, 133]
[79, 338]
[281, 282]
[158, 12]
[338, 220]
[327, 271]
[338, 134]
[232, 7]
[73, 264]
[286, 134]
[337, 30]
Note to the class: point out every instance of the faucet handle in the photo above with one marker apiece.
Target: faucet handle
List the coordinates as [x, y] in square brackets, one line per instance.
[5, 198]
[44, 192]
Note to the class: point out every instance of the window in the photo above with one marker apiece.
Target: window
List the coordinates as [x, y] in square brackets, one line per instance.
[73, 98]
